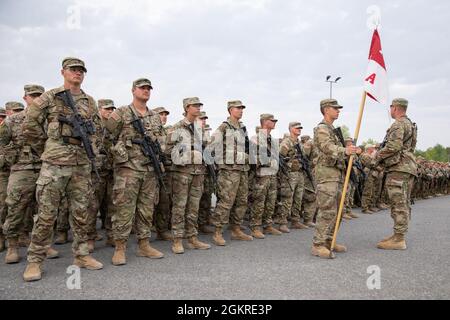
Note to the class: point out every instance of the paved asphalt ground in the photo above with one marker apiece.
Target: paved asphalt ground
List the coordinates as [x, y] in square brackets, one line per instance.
[279, 267]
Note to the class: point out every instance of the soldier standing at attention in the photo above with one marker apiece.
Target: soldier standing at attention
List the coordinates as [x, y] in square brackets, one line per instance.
[204, 213]
[4, 175]
[22, 180]
[102, 187]
[264, 190]
[231, 146]
[188, 173]
[292, 185]
[161, 219]
[65, 169]
[397, 157]
[329, 172]
[136, 188]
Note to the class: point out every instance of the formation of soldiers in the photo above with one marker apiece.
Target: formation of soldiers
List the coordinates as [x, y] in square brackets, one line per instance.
[67, 161]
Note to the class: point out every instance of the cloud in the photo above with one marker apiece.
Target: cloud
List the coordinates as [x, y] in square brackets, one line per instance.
[273, 55]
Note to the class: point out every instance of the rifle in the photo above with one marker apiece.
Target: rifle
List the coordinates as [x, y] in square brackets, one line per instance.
[209, 160]
[304, 161]
[81, 128]
[151, 149]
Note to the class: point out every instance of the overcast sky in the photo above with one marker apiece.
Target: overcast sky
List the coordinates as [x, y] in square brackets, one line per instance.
[273, 55]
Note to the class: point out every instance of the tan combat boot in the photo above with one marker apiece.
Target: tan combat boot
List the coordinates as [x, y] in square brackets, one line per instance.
[337, 247]
[98, 237]
[353, 215]
[374, 209]
[146, 250]
[177, 246]
[2, 243]
[61, 237]
[310, 224]
[24, 240]
[346, 216]
[194, 243]
[396, 242]
[119, 257]
[298, 225]
[237, 234]
[12, 255]
[91, 245]
[218, 237]
[52, 253]
[322, 252]
[164, 236]
[87, 262]
[205, 229]
[256, 233]
[271, 230]
[284, 228]
[32, 272]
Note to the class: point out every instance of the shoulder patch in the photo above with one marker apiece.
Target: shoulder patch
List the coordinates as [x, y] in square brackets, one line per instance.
[115, 116]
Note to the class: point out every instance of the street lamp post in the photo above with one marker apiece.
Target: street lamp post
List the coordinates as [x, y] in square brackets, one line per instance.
[331, 84]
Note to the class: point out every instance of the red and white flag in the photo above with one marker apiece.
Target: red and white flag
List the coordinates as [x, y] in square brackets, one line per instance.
[376, 84]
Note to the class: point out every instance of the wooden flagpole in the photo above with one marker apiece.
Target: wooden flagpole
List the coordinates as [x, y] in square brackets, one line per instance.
[347, 175]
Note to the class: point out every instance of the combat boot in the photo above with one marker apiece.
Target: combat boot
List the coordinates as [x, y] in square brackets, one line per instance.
[177, 246]
[2, 243]
[119, 257]
[322, 252]
[237, 234]
[194, 243]
[310, 224]
[374, 209]
[98, 237]
[12, 255]
[146, 250]
[256, 233]
[91, 245]
[284, 228]
[61, 237]
[298, 225]
[87, 262]
[32, 272]
[218, 237]
[353, 215]
[205, 229]
[52, 253]
[337, 247]
[164, 236]
[396, 242]
[271, 230]
[346, 217]
[24, 240]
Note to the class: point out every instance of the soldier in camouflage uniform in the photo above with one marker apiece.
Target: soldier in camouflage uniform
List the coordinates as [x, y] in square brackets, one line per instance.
[4, 175]
[101, 199]
[230, 145]
[204, 213]
[350, 195]
[65, 167]
[329, 172]
[309, 205]
[162, 215]
[184, 143]
[292, 185]
[367, 159]
[397, 157]
[264, 188]
[25, 167]
[136, 188]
